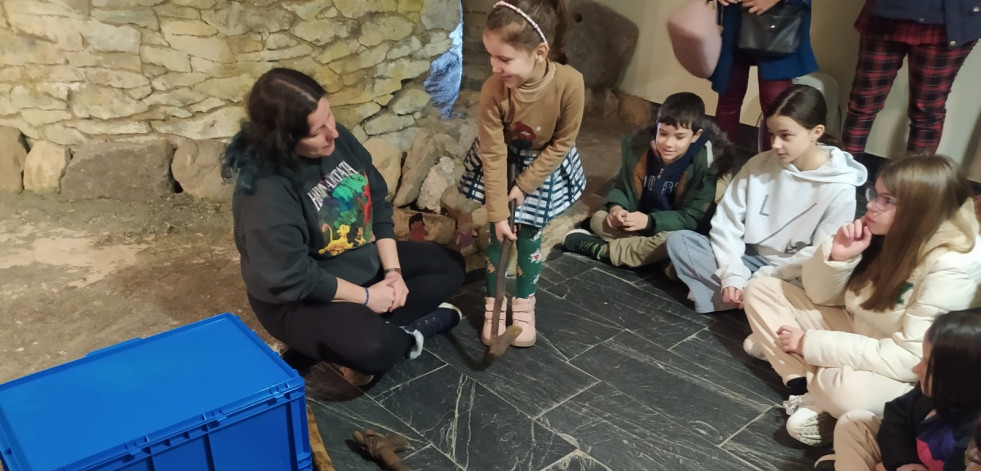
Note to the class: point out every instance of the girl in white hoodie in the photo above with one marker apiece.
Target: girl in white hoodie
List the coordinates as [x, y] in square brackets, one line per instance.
[777, 207]
[850, 337]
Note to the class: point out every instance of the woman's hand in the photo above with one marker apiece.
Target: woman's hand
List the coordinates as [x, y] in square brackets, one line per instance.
[850, 241]
[758, 7]
[733, 295]
[381, 295]
[616, 217]
[401, 290]
[636, 221]
[516, 195]
[791, 339]
[503, 231]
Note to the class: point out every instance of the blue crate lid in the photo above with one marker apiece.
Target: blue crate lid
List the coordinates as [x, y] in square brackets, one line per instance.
[137, 392]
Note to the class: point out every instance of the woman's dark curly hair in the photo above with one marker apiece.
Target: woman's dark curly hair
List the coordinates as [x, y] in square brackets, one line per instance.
[278, 107]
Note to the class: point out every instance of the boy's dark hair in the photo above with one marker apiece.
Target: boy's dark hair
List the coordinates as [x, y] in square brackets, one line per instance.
[954, 361]
[417, 217]
[681, 110]
[687, 110]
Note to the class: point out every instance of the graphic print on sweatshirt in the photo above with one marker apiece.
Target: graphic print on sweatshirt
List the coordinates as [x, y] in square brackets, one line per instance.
[343, 202]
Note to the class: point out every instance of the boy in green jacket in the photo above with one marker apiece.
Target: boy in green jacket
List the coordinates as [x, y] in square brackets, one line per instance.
[668, 187]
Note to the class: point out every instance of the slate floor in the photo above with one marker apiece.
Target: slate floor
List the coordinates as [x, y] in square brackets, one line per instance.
[624, 377]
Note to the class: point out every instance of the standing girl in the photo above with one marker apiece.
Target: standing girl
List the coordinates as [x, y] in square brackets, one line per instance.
[530, 112]
[850, 337]
[930, 427]
[778, 205]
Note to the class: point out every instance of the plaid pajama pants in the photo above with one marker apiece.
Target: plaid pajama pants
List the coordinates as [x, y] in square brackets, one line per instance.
[932, 68]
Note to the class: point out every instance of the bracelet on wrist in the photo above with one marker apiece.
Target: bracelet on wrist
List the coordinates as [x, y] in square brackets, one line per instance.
[393, 269]
[366, 296]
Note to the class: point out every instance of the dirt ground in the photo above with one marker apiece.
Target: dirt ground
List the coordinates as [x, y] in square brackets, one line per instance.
[79, 276]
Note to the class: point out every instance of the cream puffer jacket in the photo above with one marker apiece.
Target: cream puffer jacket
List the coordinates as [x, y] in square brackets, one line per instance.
[890, 342]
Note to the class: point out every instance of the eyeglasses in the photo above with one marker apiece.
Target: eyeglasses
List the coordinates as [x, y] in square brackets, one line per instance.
[881, 202]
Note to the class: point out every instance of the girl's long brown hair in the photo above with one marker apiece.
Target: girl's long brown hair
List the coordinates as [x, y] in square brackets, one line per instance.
[552, 16]
[929, 191]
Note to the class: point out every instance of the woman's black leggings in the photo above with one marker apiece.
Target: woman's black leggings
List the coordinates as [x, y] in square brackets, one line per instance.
[351, 334]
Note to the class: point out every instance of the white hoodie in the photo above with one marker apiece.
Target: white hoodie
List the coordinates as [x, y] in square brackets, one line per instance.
[774, 210]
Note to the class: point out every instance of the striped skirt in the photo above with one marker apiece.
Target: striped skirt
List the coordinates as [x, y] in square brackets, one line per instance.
[556, 194]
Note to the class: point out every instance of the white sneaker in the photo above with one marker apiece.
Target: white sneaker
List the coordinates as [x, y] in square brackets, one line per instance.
[807, 423]
[753, 348]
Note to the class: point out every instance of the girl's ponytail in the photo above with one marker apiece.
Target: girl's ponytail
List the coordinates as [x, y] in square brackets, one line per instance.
[562, 20]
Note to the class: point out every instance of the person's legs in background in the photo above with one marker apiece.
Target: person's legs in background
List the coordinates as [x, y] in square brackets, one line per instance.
[878, 63]
[932, 69]
[731, 102]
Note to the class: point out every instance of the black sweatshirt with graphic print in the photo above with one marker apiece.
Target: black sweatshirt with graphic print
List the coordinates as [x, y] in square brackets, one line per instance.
[297, 236]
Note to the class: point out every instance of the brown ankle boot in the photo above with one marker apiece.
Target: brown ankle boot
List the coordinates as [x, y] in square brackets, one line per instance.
[523, 314]
[485, 333]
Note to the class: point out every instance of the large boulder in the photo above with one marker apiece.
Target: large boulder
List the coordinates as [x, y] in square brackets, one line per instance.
[197, 167]
[123, 171]
[44, 167]
[441, 176]
[426, 149]
[600, 43]
[387, 158]
[12, 157]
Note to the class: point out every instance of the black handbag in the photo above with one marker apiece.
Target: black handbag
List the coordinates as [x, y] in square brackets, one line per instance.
[776, 32]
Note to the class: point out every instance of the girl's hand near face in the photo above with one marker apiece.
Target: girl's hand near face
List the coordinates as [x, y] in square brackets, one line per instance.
[850, 241]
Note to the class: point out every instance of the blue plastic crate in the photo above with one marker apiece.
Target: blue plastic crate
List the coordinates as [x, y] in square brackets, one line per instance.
[206, 396]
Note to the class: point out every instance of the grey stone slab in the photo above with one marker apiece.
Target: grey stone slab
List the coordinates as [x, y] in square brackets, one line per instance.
[621, 433]
[534, 379]
[664, 381]
[473, 426]
[429, 458]
[405, 371]
[765, 443]
[566, 329]
[577, 461]
[724, 363]
[622, 304]
[337, 422]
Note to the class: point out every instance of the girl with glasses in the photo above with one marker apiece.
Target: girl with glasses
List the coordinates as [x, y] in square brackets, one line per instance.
[849, 338]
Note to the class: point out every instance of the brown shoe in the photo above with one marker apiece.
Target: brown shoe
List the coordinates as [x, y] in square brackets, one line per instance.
[485, 332]
[523, 314]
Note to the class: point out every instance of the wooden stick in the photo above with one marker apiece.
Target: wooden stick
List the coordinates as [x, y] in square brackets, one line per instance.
[321, 460]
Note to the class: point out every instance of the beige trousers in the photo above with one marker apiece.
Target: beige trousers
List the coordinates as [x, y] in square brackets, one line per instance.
[628, 248]
[856, 448]
[771, 303]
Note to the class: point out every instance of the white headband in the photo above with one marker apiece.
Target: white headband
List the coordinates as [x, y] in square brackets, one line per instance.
[525, 16]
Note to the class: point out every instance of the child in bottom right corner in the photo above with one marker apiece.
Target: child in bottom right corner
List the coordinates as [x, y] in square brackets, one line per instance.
[929, 428]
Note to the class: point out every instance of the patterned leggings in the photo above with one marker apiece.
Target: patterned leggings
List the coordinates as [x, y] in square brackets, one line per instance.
[530, 258]
[932, 68]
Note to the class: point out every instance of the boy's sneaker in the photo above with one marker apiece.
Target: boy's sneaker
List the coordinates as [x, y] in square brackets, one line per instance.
[807, 423]
[584, 242]
[441, 319]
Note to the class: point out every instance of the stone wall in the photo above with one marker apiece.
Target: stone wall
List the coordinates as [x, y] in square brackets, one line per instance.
[74, 72]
